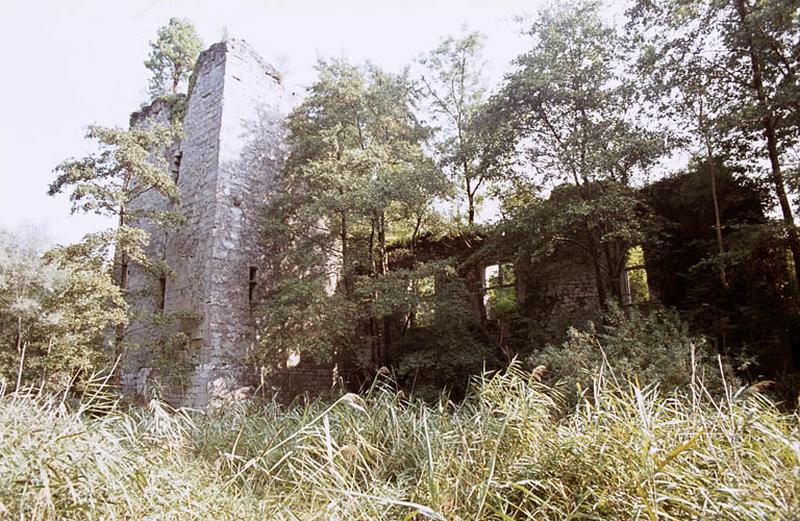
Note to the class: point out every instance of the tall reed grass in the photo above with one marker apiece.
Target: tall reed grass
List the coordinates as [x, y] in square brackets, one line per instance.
[509, 451]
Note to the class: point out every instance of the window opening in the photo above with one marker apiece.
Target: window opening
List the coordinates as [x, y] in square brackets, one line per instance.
[162, 292]
[252, 282]
[175, 167]
[500, 292]
[635, 288]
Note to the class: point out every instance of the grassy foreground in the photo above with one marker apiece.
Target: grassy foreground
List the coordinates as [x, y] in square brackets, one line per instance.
[508, 452]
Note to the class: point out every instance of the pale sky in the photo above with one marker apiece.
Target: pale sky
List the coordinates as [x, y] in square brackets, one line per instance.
[70, 63]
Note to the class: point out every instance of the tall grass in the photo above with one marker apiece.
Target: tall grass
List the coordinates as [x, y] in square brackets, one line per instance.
[508, 452]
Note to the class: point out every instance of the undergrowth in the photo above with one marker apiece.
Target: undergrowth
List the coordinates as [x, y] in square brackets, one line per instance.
[507, 452]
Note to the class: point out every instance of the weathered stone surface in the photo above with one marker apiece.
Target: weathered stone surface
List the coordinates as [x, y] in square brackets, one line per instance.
[143, 291]
[231, 150]
[557, 294]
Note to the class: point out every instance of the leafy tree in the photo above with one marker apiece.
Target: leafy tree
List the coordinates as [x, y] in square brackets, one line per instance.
[455, 91]
[357, 178]
[87, 305]
[570, 112]
[54, 312]
[597, 223]
[439, 343]
[24, 285]
[112, 182]
[763, 47]
[172, 56]
[683, 87]
[749, 52]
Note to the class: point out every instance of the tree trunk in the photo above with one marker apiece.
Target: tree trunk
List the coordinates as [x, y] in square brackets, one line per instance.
[717, 220]
[385, 341]
[768, 122]
[615, 264]
[44, 369]
[19, 334]
[20, 350]
[21, 365]
[122, 282]
[373, 328]
[718, 224]
[347, 275]
[176, 79]
[602, 296]
[470, 196]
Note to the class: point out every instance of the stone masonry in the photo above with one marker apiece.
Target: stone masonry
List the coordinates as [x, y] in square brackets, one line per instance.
[193, 326]
[230, 151]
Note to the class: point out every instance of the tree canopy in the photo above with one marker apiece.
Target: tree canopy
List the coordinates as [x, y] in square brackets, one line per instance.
[172, 56]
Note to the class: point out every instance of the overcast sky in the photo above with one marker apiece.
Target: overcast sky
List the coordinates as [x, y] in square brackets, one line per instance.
[70, 63]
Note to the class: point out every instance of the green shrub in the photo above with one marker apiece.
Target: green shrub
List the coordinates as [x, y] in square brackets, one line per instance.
[654, 347]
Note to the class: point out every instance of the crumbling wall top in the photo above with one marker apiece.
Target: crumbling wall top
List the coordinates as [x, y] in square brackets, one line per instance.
[241, 47]
[159, 110]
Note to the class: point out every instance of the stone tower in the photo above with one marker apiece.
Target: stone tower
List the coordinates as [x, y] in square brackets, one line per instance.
[230, 151]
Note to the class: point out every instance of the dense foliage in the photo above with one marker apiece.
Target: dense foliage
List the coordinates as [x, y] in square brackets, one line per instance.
[727, 69]
[54, 313]
[651, 347]
[358, 178]
[674, 292]
[128, 166]
[362, 218]
[755, 305]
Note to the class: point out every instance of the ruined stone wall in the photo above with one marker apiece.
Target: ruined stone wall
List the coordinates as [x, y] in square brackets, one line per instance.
[250, 154]
[144, 291]
[287, 381]
[231, 149]
[556, 294]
